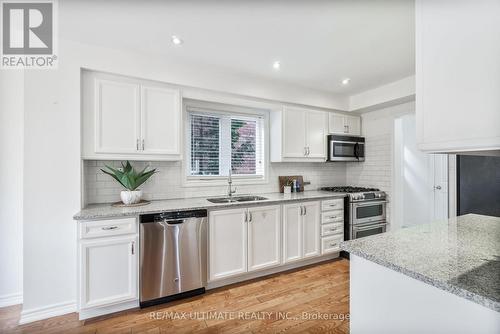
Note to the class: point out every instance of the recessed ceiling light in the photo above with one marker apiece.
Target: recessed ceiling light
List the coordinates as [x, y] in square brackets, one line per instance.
[346, 81]
[276, 65]
[176, 40]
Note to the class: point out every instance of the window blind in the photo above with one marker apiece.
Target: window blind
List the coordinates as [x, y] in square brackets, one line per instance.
[219, 141]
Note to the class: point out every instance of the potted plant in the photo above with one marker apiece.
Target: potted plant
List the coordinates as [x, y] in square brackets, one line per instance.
[131, 180]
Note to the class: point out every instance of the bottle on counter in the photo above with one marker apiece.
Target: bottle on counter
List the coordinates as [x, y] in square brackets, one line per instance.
[294, 186]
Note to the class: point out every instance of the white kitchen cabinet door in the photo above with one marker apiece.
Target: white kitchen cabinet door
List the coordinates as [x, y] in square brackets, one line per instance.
[294, 133]
[457, 76]
[292, 232]
[311, 221]
[117, 117]
[353, 124]
[316, 134]
[344, 124]
[264, 229]
[227, 243]
[336, 123]
[160, 120]
[108, 271]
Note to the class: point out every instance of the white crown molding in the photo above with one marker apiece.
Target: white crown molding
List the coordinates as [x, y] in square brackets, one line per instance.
[48, 311]
[11, 299]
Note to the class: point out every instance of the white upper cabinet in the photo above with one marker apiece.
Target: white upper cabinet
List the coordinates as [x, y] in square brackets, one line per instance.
[117, 113]
[161, 121]
[298, 134]
[344, 124]
[458, 75]
[126, 118]
[294, 133]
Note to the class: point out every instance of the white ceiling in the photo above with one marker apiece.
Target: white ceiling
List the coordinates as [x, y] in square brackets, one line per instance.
[317, 42]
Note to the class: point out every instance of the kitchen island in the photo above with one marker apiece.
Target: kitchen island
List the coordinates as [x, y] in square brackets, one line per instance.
[442, 277]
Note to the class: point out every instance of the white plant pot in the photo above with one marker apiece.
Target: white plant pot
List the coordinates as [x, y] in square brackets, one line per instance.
[131, 197]
[287, 189]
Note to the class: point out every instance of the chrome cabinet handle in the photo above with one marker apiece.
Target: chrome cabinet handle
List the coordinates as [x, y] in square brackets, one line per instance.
[137, 144]
[305, 210]
[305, 151]
[246, 216]
[333, 217]
[333, 244]
[301, 210]
[437, 187]
[143, 144]
[333, 229]
[133, 248]
[250, 216]
[107, 228]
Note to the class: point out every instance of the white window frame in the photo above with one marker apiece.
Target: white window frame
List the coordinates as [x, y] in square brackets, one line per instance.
[211, 108]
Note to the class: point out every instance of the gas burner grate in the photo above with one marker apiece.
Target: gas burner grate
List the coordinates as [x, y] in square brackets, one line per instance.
[348, 189]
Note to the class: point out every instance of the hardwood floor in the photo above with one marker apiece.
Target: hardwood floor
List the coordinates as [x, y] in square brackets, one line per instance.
[275, 304]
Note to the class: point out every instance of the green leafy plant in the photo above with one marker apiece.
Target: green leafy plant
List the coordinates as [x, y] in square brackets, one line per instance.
[129, 177]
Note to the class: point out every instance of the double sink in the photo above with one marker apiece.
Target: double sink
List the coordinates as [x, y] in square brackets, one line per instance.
[236, 199]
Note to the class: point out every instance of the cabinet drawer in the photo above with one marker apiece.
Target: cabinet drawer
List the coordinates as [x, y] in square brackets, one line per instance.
[331, 244]
[332, 204]
[329, 229]
[107, 228]
[336, 216]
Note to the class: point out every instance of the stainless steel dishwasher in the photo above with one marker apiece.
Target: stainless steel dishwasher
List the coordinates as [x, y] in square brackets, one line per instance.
[173, 256]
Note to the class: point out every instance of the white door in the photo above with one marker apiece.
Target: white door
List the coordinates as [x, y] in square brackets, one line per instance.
[353, 124]
[336, 123]
[108, 271]
[117, 117]
[227, 243]
[292, 232]
[264, 226]
[310, 229]
[316, 134]
[294, 133]
[439, 175]
[160, 120]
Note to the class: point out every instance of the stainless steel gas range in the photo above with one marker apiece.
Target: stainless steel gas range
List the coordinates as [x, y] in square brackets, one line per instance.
[364, 211]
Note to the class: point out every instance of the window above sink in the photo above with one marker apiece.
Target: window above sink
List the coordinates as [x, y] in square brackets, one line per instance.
[221, 137]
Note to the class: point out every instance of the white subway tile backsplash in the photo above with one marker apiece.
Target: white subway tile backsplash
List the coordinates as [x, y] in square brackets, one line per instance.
[167, 183]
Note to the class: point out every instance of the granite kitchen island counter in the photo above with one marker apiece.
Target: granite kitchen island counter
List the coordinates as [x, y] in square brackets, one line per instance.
[460, 256]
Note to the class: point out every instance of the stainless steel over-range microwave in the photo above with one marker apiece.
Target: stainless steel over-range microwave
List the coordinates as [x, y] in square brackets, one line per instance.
[346, 148]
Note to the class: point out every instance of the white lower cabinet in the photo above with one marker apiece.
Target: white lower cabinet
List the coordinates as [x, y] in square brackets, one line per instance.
[310, 227]
[227, 230]
[301, 231]
[264, 234]
[243, 240]
[108, 266]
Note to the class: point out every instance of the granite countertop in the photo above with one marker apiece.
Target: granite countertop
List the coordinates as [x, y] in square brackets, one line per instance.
[461, 255]
[103, 211]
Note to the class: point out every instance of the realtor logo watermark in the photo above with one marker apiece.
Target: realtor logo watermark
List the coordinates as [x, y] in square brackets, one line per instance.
[28, 34]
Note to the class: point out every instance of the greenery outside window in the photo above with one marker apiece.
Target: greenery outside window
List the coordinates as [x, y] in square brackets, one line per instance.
[219, 141]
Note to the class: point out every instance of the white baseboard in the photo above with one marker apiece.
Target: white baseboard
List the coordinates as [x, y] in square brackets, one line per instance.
[11, 299]
[47, 312]
[97, 311]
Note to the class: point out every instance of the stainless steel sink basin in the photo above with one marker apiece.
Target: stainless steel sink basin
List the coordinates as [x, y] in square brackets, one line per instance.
[236, 199]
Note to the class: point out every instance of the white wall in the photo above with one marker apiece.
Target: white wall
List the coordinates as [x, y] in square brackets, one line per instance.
[377, 170]
[411, 168]
[11, 184]
[52, 184]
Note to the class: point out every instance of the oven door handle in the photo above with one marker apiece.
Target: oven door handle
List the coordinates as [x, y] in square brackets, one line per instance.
[368, 203]
[367, 228]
